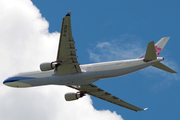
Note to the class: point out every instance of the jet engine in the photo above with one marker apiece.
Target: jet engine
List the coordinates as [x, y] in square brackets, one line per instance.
[73, 96]
[48, 66]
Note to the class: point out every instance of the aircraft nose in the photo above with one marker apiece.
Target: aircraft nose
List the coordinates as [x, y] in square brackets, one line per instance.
[4, 81]
[9, 80]
[16, 82]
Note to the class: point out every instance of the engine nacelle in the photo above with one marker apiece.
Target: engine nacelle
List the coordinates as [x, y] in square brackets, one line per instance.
[73, 96]
[47, 66]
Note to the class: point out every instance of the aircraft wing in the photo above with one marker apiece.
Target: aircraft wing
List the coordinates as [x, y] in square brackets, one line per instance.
[66, 55]
[99, 93]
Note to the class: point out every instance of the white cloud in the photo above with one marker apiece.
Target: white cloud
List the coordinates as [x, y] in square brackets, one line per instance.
[117, 49]
[25, 43]
[103, 44]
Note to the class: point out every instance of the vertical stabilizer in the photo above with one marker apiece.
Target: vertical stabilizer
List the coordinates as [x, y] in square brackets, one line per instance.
[160, 45]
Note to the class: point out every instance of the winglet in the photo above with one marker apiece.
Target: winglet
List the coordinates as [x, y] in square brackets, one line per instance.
[145, 108]
[69, 13]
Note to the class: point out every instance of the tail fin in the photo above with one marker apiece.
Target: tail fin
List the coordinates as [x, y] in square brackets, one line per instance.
[158, 46]
[153, 51]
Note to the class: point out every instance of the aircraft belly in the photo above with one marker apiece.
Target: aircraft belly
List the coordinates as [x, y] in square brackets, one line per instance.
[120, 72]
[73, 79]
[18, 84]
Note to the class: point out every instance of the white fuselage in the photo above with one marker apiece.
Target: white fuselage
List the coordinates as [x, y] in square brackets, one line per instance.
[90, 73]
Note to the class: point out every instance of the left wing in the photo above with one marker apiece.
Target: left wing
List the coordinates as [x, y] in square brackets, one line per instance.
[99, 93]
[66, 56]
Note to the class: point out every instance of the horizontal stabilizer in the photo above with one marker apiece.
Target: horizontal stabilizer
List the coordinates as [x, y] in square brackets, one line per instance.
[163, 67]
[150, 52]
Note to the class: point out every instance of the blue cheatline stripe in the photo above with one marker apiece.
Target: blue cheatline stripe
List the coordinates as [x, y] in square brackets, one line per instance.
[14, 79]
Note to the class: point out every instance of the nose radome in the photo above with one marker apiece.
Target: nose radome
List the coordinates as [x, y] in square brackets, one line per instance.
[4, 81]
[11, 79]
[15, 82]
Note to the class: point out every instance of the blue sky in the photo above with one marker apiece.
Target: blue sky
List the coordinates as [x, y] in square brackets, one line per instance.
[115, 30]
[120, 23]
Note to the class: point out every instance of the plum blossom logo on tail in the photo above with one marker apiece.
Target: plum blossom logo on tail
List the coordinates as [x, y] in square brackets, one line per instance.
[158, 50]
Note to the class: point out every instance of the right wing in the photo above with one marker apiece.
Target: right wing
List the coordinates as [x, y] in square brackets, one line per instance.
[99, 93]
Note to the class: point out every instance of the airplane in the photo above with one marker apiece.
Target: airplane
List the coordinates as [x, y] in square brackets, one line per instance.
[66, 70]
